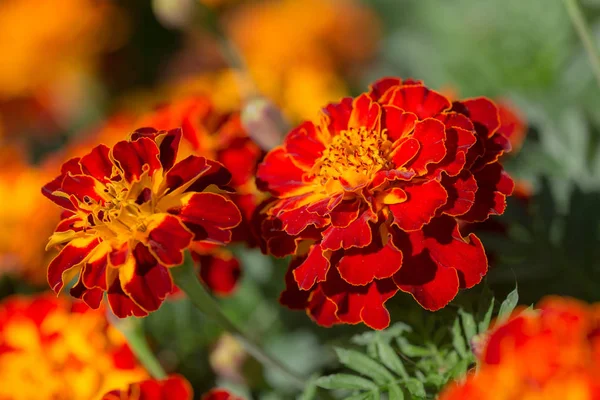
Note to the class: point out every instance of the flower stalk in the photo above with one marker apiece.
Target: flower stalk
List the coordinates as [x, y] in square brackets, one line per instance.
[585, 35]
[186, 279]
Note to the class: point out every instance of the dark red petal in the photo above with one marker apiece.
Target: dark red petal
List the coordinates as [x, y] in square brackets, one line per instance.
[365, 114]
[120, 303]
[186, 171]
[241, 158]
[53, 186]
[91, 297]
[118, 256]
[295, 221]
[420, 100]
[313, 269]
[431, 135]
[338, 115]
[81, 186]
[220, 273]
[209, 216]
[406, 151]
[146, 282]
[494, 185]
[216, 175]
[278, 174]
[483, 112]
[392, 175]
[303, 145]
[399, 123]
[345, 213]
[458, 142]
[493, 148]
[292, 297]
[325, 206]
[362, 266]
[168, 238]
[357, 234]
[70, 256]
[97, 163]
[461, 193]
[420, 207]
[321, 309]
[456, 120]
[380, 87]
[168, 145]
[431, 284]
[374, 314]
[71, 166]
[134, 157]
[93, 274]
[448, 248]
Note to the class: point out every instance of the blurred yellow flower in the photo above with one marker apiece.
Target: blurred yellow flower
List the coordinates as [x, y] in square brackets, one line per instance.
[299, 51]
[53, 349]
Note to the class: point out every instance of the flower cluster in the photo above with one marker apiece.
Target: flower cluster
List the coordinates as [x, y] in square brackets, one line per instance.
[129, 213]
[368, 200]
[51, 348]
[550, 353]
[172, 388]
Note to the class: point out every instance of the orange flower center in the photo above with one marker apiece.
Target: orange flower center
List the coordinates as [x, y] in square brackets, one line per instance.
[356, 151]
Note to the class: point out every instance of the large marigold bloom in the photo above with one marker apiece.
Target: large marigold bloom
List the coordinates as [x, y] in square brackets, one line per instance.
[369, 200]
[130, 211]
[54, 349]
[174, 387]
[549, 353]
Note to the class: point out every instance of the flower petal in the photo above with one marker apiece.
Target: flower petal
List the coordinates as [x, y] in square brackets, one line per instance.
[338, 115]
[399, 123]
[303, 145]
[483, 112]
[292, 297]
[185, 172]
[365, 114]
[418, 99]
[168, 238]
[431, 135]
[313, 269]
[209, 216]
[120, 303]
[493, 185]
[71, 256]
[357, 234]
[461, 193]
[362, 266]
[321, 309]
[278, 175]
[420, 206]
[220, 272]
[134, 157]
[97, 163]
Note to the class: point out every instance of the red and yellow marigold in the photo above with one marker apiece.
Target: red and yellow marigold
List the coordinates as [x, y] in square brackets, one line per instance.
[369, 201]
[174, 387]
[55, 349]
[130, 211]
[546, 354]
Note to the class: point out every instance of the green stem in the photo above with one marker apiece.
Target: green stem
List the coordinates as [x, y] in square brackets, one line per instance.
[186, 279]
[578, 20]
[133, 332]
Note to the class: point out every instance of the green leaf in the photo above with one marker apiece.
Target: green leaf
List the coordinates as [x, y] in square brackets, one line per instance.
[415, 387]
[390, 359]
[458, 340]
[484, 324]
[345, 381]
[393, 331]
[411, 350]
[310, 391]
[394, 392]
[508, 305]
[364, 365]
[374, 395]
[459, 370]
[468, 323]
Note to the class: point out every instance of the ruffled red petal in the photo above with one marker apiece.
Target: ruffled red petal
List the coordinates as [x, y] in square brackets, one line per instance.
[431, 135]
[461, 193]
[418, 99]
[362, 266]
[493, 185]
[303, 145]
[135, 157]
[120, 303]
[321, 309]
[313, 268]
[220, 273]
[421, 205]
[357, 234]
[97, 163]
[72, 255]
[278, 174]
[168, 238]
[186, 172]
[365, 114]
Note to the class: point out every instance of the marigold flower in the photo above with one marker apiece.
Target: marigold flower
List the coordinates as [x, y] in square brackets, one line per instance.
[130, 211]
[220, 394]
[52, 348]
[174, 387]
[550, 353]
[370, 197]
[512, 124]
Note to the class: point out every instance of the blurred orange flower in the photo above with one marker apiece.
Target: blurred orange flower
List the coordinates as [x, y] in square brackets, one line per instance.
[551, 353]
[174, 387]
[55, 349]
[298, 51]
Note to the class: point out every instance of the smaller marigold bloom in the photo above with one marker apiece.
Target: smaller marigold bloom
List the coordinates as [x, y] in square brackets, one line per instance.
[550, 353]
[174, 387]
[220, 394]
[55, 349]
[130, 211]
[369, 201]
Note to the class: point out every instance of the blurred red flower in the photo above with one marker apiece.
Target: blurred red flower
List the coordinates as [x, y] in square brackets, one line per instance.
[219, 394]
[130, 211]
[174, 387]
[550, 353]
[369, 200]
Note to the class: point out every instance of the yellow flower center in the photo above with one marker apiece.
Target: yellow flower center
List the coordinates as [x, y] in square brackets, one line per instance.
[356, 151]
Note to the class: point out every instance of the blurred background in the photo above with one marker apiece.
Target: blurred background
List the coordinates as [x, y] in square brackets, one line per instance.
[74, 73]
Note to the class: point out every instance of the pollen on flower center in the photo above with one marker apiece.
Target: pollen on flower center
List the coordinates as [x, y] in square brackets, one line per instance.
[356, 150]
